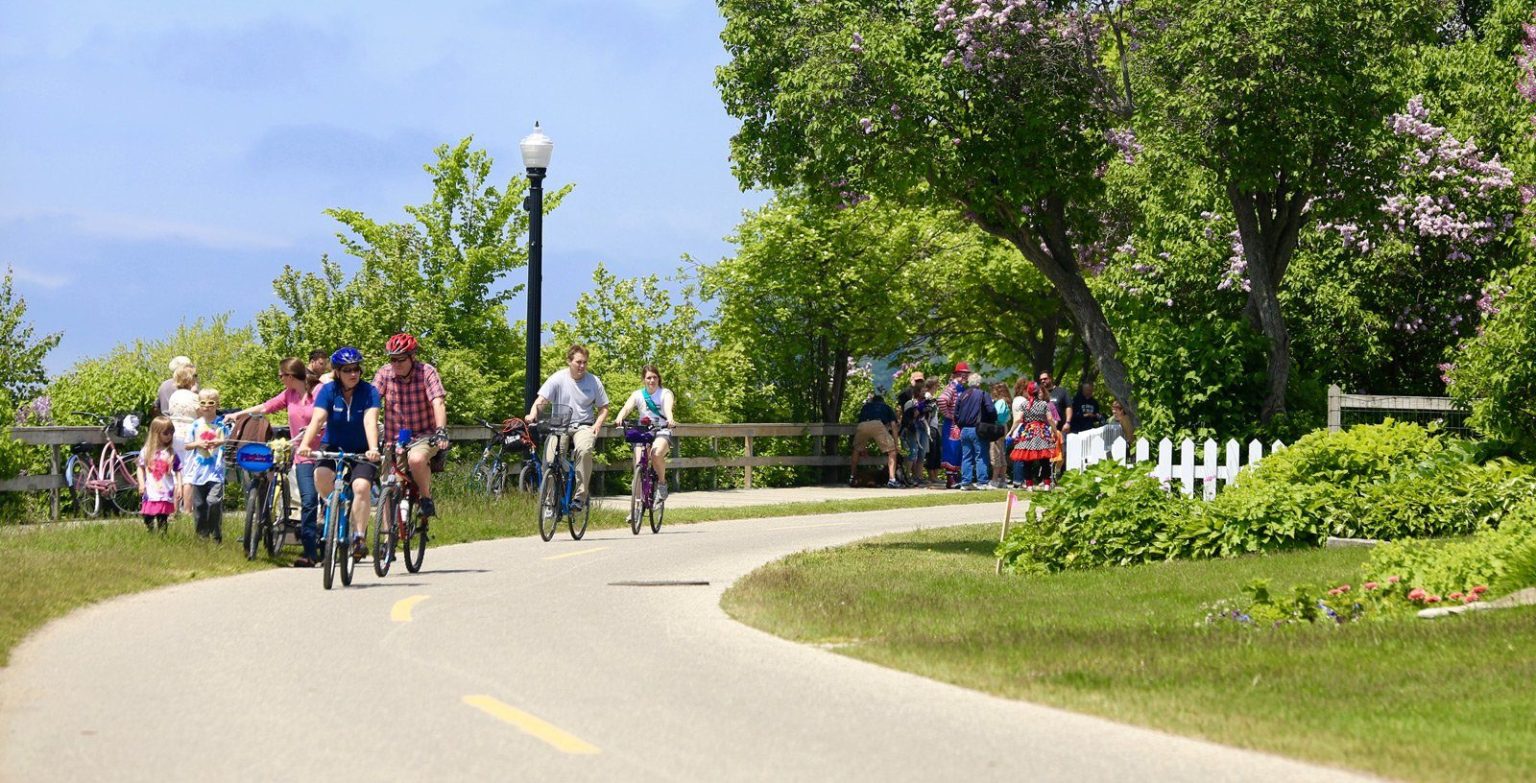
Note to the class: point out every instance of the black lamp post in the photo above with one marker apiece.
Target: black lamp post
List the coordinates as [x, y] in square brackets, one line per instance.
[536, 149]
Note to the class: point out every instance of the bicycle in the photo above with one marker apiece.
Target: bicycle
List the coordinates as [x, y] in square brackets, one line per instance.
[266, 492]
[644, 506]
[494, 467]
[335, 537]
[398, 502]
[558, 487]
[111, 477]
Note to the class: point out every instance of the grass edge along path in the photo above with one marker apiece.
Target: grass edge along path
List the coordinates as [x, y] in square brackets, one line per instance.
[1443, 700]
[53, 569]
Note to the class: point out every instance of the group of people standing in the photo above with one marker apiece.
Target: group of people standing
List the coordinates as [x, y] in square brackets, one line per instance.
[977, 436]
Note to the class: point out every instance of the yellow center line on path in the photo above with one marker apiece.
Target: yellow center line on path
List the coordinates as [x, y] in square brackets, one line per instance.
[808, 527]
[576, 554]
[534, 727]
[401, 613]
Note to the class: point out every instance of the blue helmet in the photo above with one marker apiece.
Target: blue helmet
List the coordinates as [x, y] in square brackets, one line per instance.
[346, 355]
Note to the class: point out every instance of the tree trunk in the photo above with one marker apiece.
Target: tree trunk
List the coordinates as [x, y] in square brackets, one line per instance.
[1056, 261]
[1045, 350]
[1268, 224]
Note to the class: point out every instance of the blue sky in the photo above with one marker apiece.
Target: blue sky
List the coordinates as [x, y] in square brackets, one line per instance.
[161, 161]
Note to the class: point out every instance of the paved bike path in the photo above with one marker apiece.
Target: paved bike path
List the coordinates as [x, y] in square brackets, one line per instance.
[524, 661]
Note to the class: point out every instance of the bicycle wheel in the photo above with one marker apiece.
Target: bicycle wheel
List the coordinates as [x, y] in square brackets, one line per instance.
[384, 532]
[550, 492]
[344, 543]
[255, 498]
[636, 503]
[415, 540]
[528, 478]
[658, 507]
[498, 479]
[77, 471]
[125, 483]
[480, 475]
[577, 521]
[279, 505]
[328, 545]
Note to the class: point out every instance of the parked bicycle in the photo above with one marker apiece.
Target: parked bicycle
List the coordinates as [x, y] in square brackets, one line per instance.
[398, 502]
[644, 505]
[510, 444]
[558, 487]
[109, 478]
[336, 533]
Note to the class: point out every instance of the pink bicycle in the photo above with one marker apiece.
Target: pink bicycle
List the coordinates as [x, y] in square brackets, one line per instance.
[109, 478]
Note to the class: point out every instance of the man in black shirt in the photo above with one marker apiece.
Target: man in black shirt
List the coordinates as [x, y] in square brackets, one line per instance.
[1085, 409]
[877, 422]
[1060, 400]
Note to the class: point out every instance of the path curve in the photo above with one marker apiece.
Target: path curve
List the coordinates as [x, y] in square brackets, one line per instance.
[518, 659]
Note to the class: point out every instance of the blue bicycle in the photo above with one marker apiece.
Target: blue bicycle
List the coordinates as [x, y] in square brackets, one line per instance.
[335, 536]
[558, 487]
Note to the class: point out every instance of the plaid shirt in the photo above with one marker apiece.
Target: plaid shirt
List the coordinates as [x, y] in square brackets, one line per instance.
[408, 401]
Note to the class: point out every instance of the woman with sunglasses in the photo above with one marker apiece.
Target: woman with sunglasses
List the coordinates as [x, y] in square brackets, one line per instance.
[347, 411]
[298, 398]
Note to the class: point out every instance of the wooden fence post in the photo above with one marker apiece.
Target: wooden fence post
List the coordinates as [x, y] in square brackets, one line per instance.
[747, 470]
[1335, 408]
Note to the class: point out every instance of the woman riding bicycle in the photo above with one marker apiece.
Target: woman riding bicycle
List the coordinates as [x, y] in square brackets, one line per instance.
[347, 411]
[653, 402]
[298, 398]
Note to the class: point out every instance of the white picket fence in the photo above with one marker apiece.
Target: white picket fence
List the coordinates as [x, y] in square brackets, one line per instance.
[1088, 448]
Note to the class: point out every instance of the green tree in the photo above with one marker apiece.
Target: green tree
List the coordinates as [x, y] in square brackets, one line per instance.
[21, 373]
[1284, 102]
[1495, 372]
[436, 276]
[1004, 110]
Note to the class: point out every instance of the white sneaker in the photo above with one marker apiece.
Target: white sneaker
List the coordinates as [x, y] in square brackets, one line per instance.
[661, 491]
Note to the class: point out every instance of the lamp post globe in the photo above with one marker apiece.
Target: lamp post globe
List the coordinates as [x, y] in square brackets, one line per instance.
[536, 149]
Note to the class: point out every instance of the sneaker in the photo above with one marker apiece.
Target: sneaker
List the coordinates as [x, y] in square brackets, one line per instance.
[853, 482]
[894, 484]
[303, 562]
[967, 487]
[577, 504]
[359, 549]
[661, 491]
[428, 509]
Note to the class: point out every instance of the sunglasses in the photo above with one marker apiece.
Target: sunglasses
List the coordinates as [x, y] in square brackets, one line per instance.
[399, 359]
[351, 368]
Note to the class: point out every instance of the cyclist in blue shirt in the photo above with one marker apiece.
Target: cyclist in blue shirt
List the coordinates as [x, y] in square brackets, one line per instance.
[347, 411]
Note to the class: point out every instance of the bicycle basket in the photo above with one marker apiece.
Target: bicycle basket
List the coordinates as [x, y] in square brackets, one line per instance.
[125, 425]
[638, 435]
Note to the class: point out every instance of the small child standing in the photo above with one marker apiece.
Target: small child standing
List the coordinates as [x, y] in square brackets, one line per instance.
[159, 473]
[205, 476]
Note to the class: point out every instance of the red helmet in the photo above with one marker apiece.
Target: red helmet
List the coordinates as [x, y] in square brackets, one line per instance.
[400, 343]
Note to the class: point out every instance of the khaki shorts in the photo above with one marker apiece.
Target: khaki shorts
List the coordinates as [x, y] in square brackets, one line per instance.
[873, 431]
[433, 453]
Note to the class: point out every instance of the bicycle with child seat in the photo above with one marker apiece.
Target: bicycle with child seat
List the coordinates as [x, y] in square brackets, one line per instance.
[509, 444]
[109, 478]
[336, 533]
[557, 490]
[399, 502]
[644, 503]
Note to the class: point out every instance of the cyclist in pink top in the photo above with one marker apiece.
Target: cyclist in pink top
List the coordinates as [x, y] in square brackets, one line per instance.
[298, 398]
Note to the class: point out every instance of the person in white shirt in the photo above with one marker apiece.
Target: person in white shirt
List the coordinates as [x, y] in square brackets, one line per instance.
[581, 400]
[653, 402]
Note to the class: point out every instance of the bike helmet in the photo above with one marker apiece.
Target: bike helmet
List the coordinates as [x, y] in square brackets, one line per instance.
[400, 343]
[346, 355]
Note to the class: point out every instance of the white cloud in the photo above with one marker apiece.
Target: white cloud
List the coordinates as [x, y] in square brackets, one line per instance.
[137, 228]
[22, 274]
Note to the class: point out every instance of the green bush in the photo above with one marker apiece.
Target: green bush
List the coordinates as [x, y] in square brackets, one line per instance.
[1502, 557]
[1388, 481]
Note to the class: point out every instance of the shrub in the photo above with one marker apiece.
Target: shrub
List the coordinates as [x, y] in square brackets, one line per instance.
[1504, 557]
[1495, 372]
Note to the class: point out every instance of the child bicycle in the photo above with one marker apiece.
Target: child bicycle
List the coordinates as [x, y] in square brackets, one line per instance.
[644, 503]
[558, 487]
[398, 521]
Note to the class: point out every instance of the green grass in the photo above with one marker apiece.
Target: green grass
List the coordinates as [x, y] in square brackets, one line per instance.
[1444, 700]
[50, 570]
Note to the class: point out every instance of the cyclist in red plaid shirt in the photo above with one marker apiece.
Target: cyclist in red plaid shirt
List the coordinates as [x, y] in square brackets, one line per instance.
[414, 399]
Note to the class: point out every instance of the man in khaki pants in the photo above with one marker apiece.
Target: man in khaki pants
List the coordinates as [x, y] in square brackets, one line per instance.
[576, 397]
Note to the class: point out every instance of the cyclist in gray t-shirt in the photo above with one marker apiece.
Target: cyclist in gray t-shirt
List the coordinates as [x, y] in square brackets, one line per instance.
[579, 398]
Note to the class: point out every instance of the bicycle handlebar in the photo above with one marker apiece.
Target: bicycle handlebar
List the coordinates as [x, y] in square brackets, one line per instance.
[336, 455]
